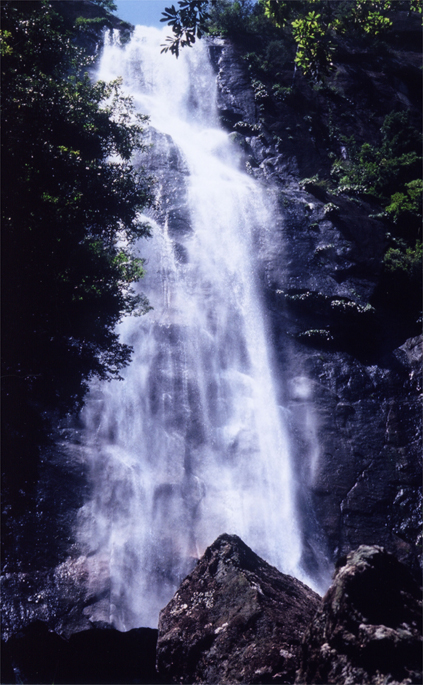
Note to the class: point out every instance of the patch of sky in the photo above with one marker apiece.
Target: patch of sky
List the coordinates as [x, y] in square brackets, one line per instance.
[144, 12]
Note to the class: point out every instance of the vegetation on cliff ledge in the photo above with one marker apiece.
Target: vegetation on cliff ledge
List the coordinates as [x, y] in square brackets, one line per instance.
[300, 56]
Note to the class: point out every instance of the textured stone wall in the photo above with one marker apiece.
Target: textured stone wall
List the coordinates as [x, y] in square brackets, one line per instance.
[354, 371]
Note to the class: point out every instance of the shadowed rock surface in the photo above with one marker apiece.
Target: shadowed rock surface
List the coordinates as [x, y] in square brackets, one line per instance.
[235, 618]
[368, 627]
[101, 655]
[350, 354]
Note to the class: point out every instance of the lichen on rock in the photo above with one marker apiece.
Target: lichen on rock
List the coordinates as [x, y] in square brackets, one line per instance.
[235, 618]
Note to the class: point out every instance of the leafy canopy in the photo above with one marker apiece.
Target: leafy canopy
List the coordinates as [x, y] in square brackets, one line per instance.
[312, 23]
[385, 169]
[71, 202]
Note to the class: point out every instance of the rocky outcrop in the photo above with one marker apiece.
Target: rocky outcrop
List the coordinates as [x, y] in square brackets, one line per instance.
[368, 628]
[235, 618]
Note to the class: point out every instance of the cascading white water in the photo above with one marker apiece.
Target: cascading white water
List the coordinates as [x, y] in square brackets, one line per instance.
[192, 442]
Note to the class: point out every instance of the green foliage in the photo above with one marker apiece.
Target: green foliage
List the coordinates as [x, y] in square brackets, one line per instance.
[313, 52]
[337, 16]
[83, 22]
[310, 24]
[237, 19]
[407, 206]
[316, 336]
[188, 23]
[381, 170]
[390, 173]
[398, 135]
[242, 20]
[404, 259]
[71, 202]
[401, 282]
[317, 187]
[276, 54]
[330, 209]
[283, 93]
[279, 12]
[266, 50]
[363, 16]
[313, 23]
[5, 48]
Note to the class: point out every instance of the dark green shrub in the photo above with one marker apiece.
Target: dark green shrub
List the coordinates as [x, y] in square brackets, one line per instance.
[385, 169]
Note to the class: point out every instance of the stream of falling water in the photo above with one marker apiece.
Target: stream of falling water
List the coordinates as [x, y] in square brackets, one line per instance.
[192, 442]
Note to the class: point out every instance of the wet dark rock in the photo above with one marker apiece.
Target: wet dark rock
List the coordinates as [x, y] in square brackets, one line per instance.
[235, 100]
[235, 618]
[368, 629]
[346, 344]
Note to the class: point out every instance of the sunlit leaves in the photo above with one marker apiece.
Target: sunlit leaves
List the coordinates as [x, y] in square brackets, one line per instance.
[416, 6]
[313, 55]
[278, 12]
[404, 259]
[188, 22]
[407, 204]
[314, 22]
[389, 173]
[5, 48]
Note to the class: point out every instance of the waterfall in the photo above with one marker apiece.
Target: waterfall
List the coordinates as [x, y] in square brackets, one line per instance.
[192, 443]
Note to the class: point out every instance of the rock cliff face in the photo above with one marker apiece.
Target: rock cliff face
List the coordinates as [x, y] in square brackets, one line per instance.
[354, 385]
[235, 618]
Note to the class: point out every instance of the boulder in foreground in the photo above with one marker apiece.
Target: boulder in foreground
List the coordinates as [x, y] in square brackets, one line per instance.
[235, 618]
[367, 630]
